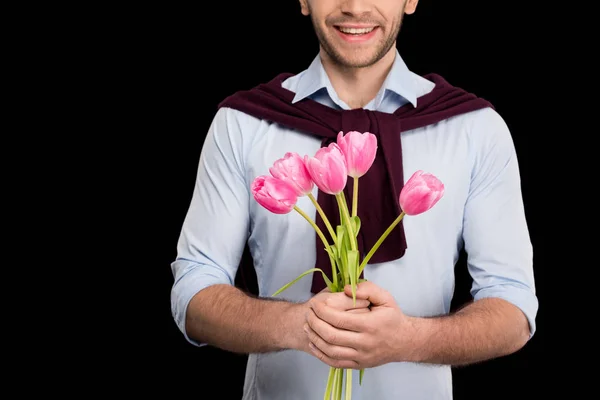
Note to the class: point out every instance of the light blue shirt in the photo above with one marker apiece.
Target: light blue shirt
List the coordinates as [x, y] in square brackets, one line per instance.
[472, 154]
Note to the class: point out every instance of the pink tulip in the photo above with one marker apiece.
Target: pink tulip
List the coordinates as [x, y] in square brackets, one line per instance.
[359, 150]
[274, 194]
[420, 193]
[291, 169]
[328, 169]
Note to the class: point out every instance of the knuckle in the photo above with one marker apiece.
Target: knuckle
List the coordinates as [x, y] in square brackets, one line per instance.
[335, 354]
[331, 338]
[308, 319]
[317, 306]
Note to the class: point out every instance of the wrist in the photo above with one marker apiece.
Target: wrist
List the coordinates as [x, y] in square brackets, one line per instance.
[292, 320]
[419, 343]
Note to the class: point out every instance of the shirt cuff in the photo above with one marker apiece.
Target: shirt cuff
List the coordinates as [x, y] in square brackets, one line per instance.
[186, 287]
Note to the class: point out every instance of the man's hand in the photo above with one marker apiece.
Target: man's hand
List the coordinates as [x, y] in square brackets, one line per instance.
[339, 302]
[344, 339]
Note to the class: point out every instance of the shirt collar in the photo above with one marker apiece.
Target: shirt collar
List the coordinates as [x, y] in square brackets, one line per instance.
[313, 80]
[399, 81]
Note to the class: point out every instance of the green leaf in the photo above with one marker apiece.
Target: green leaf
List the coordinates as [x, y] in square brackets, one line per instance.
[340, 279]
[344, 273]
[342, 258]
[332, 251]
[355, 224]
[352, 270]
[287, 285]
[360, 376]
[341, 231]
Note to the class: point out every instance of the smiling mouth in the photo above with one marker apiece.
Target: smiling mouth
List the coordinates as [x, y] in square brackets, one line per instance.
[355, 31]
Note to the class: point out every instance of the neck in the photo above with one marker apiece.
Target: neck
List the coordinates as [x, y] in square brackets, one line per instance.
[358, 86]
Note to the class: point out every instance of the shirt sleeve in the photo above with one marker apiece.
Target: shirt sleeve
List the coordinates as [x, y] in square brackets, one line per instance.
[215, 228]
[497, 241]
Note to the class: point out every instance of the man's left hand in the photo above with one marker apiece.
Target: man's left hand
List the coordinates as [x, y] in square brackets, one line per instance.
[343, 339]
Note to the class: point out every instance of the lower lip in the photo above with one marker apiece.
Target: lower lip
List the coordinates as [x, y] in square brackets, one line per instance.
[348, 37]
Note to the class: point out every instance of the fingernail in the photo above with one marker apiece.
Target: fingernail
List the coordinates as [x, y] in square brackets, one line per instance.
[305, 327]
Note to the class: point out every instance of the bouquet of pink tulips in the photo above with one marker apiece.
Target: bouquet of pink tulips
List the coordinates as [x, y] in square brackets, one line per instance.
[351, 156]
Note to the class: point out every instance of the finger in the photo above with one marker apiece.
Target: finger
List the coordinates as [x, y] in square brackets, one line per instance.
[370, 291]
[332, 351]
[340, 319]
[359, 311]
[347, 364]
[330, 335]
[342, 302]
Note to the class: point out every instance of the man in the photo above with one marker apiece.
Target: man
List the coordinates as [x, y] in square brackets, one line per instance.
[400, 330]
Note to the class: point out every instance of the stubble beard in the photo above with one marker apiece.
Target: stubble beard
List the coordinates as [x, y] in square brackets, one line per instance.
[355, 61]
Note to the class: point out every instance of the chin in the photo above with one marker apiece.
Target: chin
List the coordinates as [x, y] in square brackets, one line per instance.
[356, 60]
[358, 57]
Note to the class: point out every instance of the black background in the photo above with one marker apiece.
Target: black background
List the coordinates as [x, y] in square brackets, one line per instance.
[175, 63]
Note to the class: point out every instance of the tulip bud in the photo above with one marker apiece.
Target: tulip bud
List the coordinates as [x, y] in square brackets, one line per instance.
[359, 150]
[328, 169]
[291, 169]
[274, 194]
[420, 193]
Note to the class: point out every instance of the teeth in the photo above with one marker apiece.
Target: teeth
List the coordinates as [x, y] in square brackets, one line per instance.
[355, 31]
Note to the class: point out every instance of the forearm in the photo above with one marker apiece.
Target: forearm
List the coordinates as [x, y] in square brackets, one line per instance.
[485, 329]
[226, 317]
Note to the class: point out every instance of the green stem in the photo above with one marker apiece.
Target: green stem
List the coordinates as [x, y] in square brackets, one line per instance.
[320, 233]
[344, 207]
[330, 382]
[348, 384]
[345, 202]
[340, 383]
[355, 197]
[323, 217]
[337, 384]
[379, 241]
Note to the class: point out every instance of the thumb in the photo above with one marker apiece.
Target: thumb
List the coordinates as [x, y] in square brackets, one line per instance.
[373, 293]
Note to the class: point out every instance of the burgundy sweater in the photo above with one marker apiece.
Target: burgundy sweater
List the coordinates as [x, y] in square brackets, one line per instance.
[380, 187]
